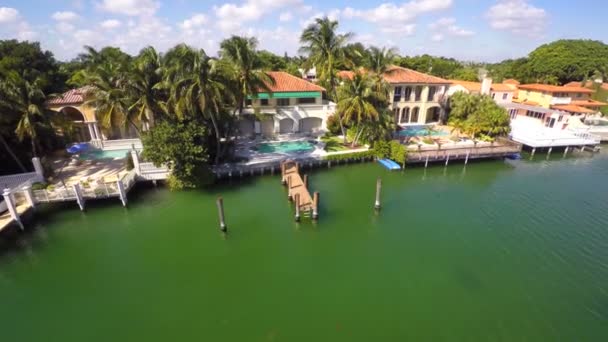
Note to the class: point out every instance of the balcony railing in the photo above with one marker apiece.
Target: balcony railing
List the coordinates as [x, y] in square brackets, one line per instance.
[561, 100]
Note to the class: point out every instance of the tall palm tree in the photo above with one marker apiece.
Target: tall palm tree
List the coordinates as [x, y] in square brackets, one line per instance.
[109, 97]
[143, 86]
[27, 100]
[356, 100]
[325, 49]
[378, 62]
[196, 87]
[246, 68]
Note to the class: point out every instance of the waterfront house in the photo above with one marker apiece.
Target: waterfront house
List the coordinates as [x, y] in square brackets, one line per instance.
[500, 92]
[573, 100]
[414, 97]
[293, 105]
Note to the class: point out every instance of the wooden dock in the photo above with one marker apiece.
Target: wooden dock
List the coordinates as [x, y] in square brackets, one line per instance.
[297, 187]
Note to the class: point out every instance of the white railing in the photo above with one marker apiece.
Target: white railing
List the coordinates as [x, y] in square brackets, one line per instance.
[148, 171]
[56, 195]
[122, 144]
[561, 100]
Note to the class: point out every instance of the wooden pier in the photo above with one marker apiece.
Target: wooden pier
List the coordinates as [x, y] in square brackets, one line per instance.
[297, 189]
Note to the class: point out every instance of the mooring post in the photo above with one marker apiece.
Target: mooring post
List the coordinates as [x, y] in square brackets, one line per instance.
[79, 197]
[297, 167]
[378, 189]
[122, 193]
[289, 188]
[29, 196]
[466, 159]
[297, 200]
[447, 160]
[533, 151]
[220, 213]
[10, 205]
[305, 181]
[315, 205]
[566, 151]
[426, 163]
[283, 180]
[549, 152]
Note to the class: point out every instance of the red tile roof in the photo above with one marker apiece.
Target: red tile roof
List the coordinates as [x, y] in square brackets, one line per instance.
[398, 74]
[588, 103]
[573, 109]
[476, 86]
[345, 74]
[72, 96]
[588, 84]
[284, 82]
[511, 81]
[553, 88]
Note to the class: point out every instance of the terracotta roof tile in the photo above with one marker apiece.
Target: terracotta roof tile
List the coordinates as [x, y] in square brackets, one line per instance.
[284, 82]
[504, 87]
[345, 74]
[553, 88]
[72, 96]
[573, 109]
[588, 103]
[398, 74]
[511, 81]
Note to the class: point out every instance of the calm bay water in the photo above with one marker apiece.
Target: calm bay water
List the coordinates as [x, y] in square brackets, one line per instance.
[499, 251]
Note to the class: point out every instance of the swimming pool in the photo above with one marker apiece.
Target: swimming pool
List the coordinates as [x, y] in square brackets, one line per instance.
[418, 131]
[286, 147]
[101, 154]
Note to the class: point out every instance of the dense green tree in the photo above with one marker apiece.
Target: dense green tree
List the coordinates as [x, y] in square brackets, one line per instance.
[180, 145]
[143, 87]
[478, 114]
[270, 61]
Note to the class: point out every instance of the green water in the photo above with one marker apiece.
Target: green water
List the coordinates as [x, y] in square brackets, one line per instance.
[286, 147]
[501, 251]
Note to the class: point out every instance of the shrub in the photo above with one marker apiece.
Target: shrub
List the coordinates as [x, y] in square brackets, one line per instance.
[39, 186]
[382, 149]
[398, 152]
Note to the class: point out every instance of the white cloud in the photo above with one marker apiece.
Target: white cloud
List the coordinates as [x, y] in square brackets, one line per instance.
[111, 24]
[285, 16]
[230, 16]
[392, 18]
[65, 16]
[195, 21]
[8, 15]
[130, 7]
[517, 16]
[64, 27]
[447, 26]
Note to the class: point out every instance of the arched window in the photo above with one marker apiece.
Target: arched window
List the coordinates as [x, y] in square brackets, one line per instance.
[405, 115]
[415, 113]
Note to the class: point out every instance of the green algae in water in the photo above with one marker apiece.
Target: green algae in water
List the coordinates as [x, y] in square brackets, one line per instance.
[507, 251]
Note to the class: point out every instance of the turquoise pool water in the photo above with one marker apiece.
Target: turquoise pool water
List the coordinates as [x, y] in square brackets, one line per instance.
[286, 147]
[413, 131]
[99, 154]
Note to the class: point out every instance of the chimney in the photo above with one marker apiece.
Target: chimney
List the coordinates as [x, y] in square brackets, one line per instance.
[486, 86]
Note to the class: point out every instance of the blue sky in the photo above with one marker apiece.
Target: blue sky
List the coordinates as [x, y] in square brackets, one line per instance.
[479, 30]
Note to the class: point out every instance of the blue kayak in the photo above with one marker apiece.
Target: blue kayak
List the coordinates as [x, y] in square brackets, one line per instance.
[78, 148]
[389, 164]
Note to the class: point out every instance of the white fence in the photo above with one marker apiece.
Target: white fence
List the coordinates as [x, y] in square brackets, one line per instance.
[148, 171]
[17, 181]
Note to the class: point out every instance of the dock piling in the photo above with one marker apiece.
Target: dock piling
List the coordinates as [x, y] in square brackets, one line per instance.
[297, 200]
[466, 159]
[12, 209]
[426, 162]
[566, 151]
[533, 151]
[306, 181]
[289, 188]
[447, 160]
[122, 193]
[378, 189]
[29, 196]
[315, 205]
[80, 198]
[220, 212]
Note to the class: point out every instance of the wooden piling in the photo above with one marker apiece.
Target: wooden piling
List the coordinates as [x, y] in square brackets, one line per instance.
[220, 212]
[297, 200]
[566, 151]
[378, 189]
[289, 188]
[283, 181]
[315, 205]
[447, 160]
[426, 163]
[306, 181]
[533, 151]
[466, 159]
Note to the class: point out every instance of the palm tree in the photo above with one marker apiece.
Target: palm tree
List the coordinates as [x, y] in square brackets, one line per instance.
[378, 62]
[356, 103]
[196, 87]
[325, 49]
[27, 100]
[245, 67]
[109, 97]
[143, 87]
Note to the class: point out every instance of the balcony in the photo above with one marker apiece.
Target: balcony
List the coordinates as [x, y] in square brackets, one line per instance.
[561, 100]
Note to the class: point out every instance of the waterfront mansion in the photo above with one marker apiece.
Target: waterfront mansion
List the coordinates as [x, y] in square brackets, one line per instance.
[414, 97]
